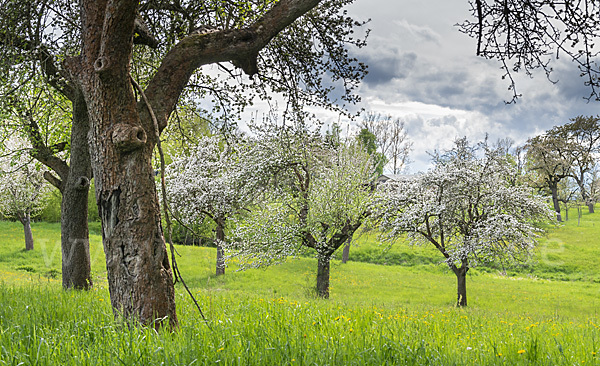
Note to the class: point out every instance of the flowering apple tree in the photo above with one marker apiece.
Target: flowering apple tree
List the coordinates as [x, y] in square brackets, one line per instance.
[23, 188]
[208, 182]
[466, 208]
[318, 197]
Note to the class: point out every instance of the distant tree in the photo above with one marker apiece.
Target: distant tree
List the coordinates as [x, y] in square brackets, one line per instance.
[23, 190]
[391, 139]
[466, 208]
[549, 159]
[583, 137]
[567, 194]
[368, 141]
[319, 196]
[209, 182]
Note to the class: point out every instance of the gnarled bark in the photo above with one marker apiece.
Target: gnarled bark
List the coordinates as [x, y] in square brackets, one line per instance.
[555, 201]
[25, 219]
[323, 276]
[461, 284]
[75, 243]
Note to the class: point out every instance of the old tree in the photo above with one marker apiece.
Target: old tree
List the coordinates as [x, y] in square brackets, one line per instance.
[89, 49]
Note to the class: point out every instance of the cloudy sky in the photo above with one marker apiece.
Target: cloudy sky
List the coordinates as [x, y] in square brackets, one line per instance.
[422, 69]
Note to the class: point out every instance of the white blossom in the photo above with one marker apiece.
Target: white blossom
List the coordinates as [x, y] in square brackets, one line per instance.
[23, 190]
[467, 207]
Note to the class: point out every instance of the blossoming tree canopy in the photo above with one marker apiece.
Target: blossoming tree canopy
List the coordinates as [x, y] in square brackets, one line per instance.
[319, 196]
[209, 182]
[22, 187]
[467, 207]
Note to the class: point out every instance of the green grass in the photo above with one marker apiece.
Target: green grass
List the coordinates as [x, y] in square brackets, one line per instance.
[543, 313]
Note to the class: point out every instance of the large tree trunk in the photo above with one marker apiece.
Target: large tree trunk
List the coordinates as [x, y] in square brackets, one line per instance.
[140, 279]
[323, 276]
[556, 203]
[590, 206]
[461, 278]
[75, 244]
[26, 221]
[220, 236]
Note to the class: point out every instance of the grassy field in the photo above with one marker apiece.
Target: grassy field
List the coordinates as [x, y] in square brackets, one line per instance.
[544, 312]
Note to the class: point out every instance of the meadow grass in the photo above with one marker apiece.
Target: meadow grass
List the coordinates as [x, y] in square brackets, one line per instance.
[543, 313]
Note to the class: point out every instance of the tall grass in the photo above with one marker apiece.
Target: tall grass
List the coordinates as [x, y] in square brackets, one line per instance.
[543, 313]
[40, 324]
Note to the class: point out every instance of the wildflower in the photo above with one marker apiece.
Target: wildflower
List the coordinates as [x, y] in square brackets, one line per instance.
[499, 354]
[521, 351]
[220, 349]
[351, 330]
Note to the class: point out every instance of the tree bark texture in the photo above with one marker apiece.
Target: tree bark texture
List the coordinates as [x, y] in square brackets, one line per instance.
[220, 236]
[323, 276]
[346, 251]
[25, 219]
[590, 206]
[139, 274]
[75, 244]
[461, 278]
[555, 202]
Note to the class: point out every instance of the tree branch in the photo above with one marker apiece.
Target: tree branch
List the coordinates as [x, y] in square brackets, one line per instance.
[56, 77]
[240, 46]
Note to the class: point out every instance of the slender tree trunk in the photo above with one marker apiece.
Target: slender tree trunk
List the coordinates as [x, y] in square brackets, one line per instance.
[323, 276]
[26, 221]
[461, 278]
[75, 244]
[346, 251]
[220, 239]
[584, 196]
[140, 279]
[556, 203]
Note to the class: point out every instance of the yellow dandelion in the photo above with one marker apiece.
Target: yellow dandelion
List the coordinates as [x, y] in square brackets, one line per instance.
[499, 355]
[351, 330]
[293, 359]
[220, 349]
[521, 351]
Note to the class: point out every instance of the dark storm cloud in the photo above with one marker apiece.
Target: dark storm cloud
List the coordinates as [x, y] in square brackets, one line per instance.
[386, 65]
